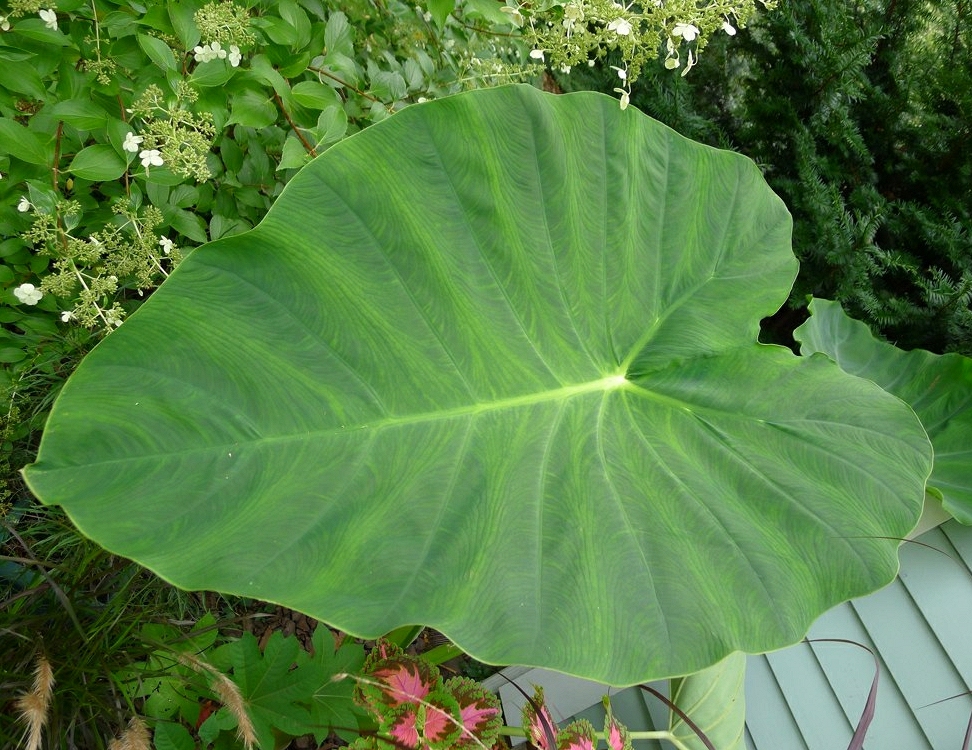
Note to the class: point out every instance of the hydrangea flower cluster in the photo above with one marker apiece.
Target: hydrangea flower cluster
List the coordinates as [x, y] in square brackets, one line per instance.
[214, 51]
[171, 133]
[579, 32]
[415, 709]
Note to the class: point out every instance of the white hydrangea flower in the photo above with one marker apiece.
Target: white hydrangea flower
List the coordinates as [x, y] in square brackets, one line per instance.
[218, 51]
[536, 54]
[28, 294]
[729, 28]
[49, 17]
[689, 64]
[66, 315]
[235, 56]
[150, 158]
[167, 245]
[517, 17]
[4, 23]
[204, 54]
[25, 205]
[687, 31]
[625, 98]
[622, 72]
[620, 26]
[131, 142]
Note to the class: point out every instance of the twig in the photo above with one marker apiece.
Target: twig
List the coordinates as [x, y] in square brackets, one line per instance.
[57, 154]
[359, 92]
[306, 144]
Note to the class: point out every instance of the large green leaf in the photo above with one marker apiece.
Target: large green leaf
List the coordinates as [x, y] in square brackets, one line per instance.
[715, 702]
[492, 366]
[938, 387]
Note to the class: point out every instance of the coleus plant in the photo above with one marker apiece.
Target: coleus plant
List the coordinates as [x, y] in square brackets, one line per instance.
[544, 734]
[416, 710]
[492, 366]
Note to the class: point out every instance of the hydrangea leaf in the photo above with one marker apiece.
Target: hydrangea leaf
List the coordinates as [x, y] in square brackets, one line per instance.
[492, 366]
[937, 386]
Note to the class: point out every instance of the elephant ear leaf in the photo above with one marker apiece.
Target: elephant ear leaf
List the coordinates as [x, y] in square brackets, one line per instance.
[492, 366]
[937, 386]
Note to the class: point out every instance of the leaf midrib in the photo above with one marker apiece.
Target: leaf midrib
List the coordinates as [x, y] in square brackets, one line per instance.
[608, 383]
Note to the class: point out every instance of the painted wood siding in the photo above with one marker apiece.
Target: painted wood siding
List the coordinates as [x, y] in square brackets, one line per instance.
[809, 697]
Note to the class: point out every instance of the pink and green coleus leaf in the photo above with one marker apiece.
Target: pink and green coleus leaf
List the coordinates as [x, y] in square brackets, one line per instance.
[432, 724]
[616, 734]
[403, 727]
[439, 721]
[539, 724]
[404, 681]
[391, 678]
[479, 712]
[578, 735]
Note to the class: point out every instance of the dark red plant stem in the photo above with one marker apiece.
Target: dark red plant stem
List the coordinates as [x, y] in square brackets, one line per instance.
[681, 714]
[857, 741]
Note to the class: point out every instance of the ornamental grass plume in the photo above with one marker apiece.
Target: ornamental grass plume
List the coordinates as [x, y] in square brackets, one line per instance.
[229, 695]
[134, 737]
[33, 707]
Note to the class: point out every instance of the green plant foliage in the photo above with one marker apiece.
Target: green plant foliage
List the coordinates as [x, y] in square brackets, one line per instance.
[578, 32]
[90, 616]
[279, 686]
[181, 688]
[130, 133]
[513, 393]
[164, 683]
[937, 387]
[714, 700]
[859, 116]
